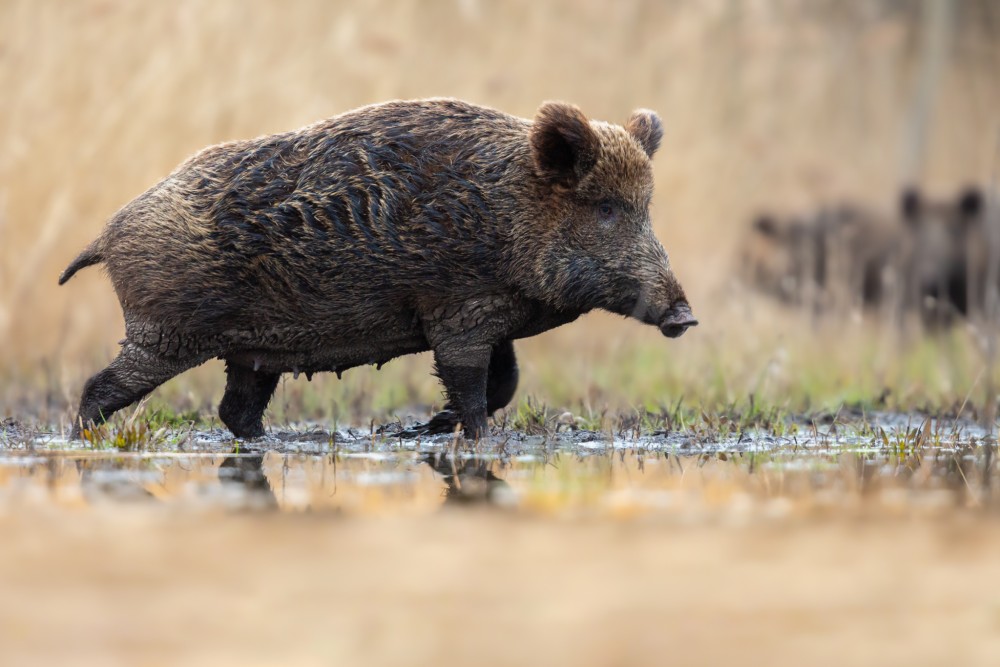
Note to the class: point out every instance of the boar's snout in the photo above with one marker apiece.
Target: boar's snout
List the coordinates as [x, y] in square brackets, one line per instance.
[677, 320]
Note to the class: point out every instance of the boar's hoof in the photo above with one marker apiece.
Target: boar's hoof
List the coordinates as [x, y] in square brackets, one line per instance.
[445, 421]
[677, 321]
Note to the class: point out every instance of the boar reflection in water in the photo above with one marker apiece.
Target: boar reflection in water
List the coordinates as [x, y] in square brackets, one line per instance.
[245, 474]
[468, 480]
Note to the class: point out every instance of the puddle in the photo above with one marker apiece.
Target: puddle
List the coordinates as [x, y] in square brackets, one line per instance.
[309, 469]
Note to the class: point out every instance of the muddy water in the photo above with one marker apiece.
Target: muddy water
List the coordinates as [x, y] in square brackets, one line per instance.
[574, 472]
[840, 546]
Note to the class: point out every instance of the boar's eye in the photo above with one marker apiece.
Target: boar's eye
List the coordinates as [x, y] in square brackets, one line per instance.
[607, 211]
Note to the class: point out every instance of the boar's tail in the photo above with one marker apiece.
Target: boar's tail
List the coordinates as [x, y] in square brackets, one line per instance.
[92, 255]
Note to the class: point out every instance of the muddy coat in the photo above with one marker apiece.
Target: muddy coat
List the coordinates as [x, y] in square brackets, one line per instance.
[388, 230]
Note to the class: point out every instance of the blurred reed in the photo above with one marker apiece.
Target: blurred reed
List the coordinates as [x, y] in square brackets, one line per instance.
[784, 105]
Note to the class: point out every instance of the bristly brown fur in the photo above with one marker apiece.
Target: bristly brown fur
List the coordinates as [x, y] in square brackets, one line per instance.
[391, 229]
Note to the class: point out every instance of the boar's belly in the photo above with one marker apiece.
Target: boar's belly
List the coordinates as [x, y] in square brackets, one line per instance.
[318, 351]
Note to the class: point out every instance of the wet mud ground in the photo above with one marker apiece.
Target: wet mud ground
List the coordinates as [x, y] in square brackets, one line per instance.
[864, 543]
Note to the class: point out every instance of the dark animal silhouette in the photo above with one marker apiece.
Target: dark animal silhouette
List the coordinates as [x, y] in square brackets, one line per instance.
[862, 255]
[841, 255]
[949, 253]
[388, 230]
[783, 257]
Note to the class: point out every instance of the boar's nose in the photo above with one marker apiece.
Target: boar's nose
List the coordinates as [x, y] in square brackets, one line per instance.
[677, 320]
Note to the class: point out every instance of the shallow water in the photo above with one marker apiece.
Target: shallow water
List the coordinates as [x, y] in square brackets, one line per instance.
[308, 468]
[310, 547]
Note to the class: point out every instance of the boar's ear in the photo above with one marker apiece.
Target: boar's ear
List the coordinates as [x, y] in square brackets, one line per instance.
[765, 226]
[647, 129]
[909, 205]
[563, 144]
[970, 203]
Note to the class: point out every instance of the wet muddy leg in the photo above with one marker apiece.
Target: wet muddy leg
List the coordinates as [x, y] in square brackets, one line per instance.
[134, 373]
[247, 394]
[465, 383]
[501, 383]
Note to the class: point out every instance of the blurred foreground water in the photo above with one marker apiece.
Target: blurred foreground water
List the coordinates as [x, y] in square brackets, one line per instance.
[873, 543]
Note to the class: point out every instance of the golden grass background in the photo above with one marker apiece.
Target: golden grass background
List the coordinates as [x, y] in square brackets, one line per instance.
[777, 104]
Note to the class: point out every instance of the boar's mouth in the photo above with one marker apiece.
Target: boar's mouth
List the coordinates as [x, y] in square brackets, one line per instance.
[677, 320]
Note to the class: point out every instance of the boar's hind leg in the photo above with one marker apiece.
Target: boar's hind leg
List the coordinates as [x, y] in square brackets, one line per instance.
[247, 395]
[501, 382]
[134, 373]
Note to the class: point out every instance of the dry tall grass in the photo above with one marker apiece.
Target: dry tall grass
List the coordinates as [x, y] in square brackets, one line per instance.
[785, 104]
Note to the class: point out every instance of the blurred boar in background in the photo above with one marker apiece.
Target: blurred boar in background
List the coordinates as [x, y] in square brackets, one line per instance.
[932, 260]
[843, 256]
[950, 245]
[863, 257]
[783, 258]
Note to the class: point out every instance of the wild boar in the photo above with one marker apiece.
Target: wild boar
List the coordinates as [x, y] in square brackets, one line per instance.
[783, 257]
[388, 230]
[842, 256]
[951, 242]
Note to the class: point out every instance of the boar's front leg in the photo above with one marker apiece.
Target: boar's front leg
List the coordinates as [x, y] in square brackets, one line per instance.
[463, 368]
[501, 383]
